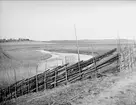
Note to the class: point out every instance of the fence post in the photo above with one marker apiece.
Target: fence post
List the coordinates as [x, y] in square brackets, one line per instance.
[118, 61]
[9, 92]
[4, 96]
[129, 57]
[55, 84]
[132, 58]
[15, 83]
[27, 86]
[95, 64]
[45, 80]
[36, 79]
[28, 78]
[121, 58]
[22, 87]
[9, 84]
[1, 94]
[66, 74]
[125, 59]
[134, 55]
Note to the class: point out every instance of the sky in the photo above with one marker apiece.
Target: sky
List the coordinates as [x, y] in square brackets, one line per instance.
[54, 20]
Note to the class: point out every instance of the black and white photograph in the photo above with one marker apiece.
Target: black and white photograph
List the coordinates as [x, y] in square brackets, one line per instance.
[67, 52]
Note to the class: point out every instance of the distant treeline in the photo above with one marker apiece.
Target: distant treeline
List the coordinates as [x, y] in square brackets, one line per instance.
[13, 40]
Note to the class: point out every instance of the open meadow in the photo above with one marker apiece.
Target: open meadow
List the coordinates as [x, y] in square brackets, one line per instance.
[20, 60]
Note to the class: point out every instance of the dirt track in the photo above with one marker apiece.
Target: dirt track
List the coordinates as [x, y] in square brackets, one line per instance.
[123, 92]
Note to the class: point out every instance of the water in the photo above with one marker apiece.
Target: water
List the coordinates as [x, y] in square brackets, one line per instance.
[7, 76]
[59, 59]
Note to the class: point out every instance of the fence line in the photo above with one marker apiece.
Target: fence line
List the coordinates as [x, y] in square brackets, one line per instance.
[128, 58]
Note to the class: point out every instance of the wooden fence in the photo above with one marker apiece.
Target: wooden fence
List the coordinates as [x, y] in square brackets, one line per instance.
[60, 75]
[128, 57]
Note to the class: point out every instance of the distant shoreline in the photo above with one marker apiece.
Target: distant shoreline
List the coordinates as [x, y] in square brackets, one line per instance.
[70, 51]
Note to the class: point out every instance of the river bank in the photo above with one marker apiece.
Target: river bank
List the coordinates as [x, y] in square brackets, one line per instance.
[57, 59]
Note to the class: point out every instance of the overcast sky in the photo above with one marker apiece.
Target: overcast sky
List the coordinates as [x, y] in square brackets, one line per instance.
[54, 20]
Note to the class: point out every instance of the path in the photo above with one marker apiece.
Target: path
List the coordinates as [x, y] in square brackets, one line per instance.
[119, 93]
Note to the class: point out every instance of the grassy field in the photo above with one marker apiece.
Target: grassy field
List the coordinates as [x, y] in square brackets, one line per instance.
[23, 57]
[19, 60]
[85, 46]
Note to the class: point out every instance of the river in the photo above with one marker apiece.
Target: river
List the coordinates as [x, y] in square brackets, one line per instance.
[59, 59]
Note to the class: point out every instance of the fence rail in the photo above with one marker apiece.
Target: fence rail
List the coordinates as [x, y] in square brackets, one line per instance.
[60, 75]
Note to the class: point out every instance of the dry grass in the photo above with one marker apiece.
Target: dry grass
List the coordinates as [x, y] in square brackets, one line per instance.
[22, 61]
[119, 89]
[29, 55]
[71, 94]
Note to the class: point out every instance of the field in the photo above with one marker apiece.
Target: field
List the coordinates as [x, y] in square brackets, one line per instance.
[18, 59]
[21, 58]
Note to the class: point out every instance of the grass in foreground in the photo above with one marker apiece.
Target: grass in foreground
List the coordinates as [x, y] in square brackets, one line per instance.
[113, 89]
[71, 94]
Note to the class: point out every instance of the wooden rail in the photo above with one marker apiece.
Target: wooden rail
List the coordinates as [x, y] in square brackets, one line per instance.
[59, 76]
